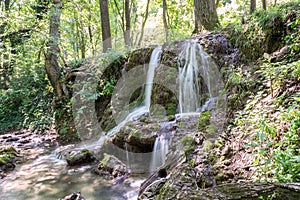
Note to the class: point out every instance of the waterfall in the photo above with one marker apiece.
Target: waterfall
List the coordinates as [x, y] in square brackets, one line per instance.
[188, 79]
[154, 61]
[198, 91]
[196, 63]
[140, 111]
[159, 152]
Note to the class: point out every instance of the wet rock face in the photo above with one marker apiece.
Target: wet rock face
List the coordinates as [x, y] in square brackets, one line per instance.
[139, 136]
[111, 167]
[77, 157]
[165, 88]
[177, 186]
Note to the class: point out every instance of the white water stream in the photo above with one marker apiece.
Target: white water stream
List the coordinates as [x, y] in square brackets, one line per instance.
[140, 111]
[197, 64]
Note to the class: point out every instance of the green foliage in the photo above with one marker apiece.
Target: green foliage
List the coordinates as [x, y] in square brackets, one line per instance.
[204, 120]
[263, 31]
[188, 144]
[287, 153]
[27, 103]
[274, 129]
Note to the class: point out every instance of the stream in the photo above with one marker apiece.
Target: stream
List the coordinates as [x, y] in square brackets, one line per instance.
[48, 177]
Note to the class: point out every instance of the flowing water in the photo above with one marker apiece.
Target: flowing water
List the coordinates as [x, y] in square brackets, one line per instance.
[140, 111]
[198, 91]
[198, 79]
[47, 177]
[159, 153]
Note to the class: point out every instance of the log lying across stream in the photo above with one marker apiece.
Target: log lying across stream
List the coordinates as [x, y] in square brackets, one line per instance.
[288, 191]
[274, 191]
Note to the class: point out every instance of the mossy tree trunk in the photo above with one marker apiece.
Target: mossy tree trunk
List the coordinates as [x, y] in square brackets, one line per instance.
[206, 17]
[63, 113]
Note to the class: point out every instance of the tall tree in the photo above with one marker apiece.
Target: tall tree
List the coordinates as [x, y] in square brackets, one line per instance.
[252, 6]
[124, 12]
[264, 4]
[64, 121]
[51, 56]
[165, 19]
[128, 23]
[144, 22]
[206, 17]
[105, 25]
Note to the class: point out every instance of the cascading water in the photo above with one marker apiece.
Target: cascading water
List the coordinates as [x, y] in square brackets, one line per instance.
[140, 111]
[188, 80]
[196, 63]
[159, 152]
[198, 91]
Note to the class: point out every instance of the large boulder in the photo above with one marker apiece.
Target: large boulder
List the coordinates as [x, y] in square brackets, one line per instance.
[139, 136]
[111, 167]
[78, 157]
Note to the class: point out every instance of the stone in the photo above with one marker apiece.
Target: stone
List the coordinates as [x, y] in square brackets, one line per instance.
[111, 167]
[8, 156]
[78, 157]
[139, 136]
[74, 196]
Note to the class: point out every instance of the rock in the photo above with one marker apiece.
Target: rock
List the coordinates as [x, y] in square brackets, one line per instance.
[140, 136]
[111, 167]
[74, 196]
[8, 156]
[77, 157]
[182, 180]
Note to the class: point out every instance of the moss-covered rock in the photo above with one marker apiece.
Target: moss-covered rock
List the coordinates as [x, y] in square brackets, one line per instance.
[111, 167]
[78, 157]
[139, 136]
[8, 156]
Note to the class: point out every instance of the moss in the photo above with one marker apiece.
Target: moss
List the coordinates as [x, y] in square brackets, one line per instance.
[212, 158]
[188, 144]
[210, 131]
[207, 145]
[219, 143]
[136, 134]
[105, 160]
[79, 157]
[192, 162]
[156, 127]
[204, 120]
[171, 108]
[4, 159]
[7, 155]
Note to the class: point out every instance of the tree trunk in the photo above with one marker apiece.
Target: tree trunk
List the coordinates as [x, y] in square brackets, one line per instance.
[7, 5]
[105, 25]
[51, 62]
[144, 22]
[252, 6]
[166, 26]
[206, 17]
[64, 121]
[264, 4]
[128, 23]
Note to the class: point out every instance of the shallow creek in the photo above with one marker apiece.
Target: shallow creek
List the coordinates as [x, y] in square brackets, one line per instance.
[45, 176]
